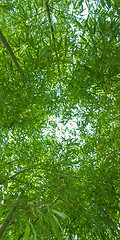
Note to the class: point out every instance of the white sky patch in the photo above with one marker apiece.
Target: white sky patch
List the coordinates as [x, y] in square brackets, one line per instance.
[67, 131]
[54, 19]
[83, 15]
[85, 12]
[70, 130]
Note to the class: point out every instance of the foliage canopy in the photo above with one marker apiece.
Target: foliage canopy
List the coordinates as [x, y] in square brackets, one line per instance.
[60, 97]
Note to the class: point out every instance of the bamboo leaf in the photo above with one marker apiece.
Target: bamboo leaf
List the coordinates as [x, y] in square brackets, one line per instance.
[55, 227]
[62, 215]
[44, 216]
[57, 222]
[27, 232]
[34, 232]
[108, 3]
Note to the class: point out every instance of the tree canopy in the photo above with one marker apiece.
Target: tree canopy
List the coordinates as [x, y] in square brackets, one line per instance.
[60, 119]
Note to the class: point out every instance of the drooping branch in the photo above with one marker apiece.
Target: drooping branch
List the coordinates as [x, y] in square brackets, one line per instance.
[10, 213]
[52, 32]
[7, 46]
[26, 169]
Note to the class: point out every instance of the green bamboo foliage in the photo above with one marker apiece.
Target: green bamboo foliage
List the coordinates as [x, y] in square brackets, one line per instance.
[60, 131]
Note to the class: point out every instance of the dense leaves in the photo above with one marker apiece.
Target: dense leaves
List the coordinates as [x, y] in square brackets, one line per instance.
[60, 127]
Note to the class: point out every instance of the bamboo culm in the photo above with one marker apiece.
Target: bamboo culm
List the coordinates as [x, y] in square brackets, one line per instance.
[10, 213]
[7, 46]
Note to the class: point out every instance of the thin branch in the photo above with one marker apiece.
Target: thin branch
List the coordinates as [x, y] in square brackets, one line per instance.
[26, 169]
[10, 213]
[7, 46]
[15, 179]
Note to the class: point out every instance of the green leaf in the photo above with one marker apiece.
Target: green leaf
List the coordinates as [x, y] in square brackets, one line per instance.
[6, 181]
[78, 164]
[78, 23]
[41, 3]
[34, 232]
[62, 215]
[55, 227]
[27, 232]
[102, 24]
[45, 52]
[108, 3]
[44, 216]
[57, 222]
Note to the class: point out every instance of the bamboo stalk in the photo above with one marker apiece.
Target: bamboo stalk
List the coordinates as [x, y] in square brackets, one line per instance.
[10, 213]
[52, 32]
[7, 46]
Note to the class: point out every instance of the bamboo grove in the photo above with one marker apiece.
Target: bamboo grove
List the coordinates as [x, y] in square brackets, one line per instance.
[60, 119]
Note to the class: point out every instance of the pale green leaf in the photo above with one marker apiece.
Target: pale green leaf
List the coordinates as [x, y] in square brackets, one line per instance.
[62, 215]
[27, 232]
[55, 227]
[34, 232]
[44, 216]
[57, 222]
